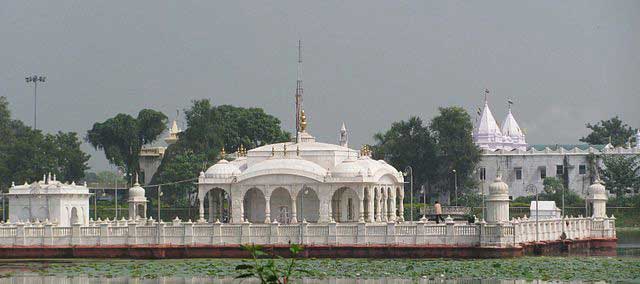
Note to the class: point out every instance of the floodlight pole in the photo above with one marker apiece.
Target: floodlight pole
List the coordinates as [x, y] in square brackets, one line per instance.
[35, 79]
[409, 170]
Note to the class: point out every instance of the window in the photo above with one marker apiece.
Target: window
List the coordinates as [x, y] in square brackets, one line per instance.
[543, 173]
[582, 169]
[559, 170]
[518, 173]
[483, 174]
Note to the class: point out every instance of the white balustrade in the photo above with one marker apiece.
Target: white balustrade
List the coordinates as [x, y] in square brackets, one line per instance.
[517, 231]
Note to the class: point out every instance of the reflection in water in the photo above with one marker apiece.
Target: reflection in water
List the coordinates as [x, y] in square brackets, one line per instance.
[197, 280]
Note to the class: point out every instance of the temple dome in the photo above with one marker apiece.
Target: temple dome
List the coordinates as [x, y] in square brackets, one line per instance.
[137, 192]
[498, 187]
[222, 169]
[348, 168]
[285, 165]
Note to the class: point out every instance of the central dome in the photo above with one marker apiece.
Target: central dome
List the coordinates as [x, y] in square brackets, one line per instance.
[284, 165]
[222, 169]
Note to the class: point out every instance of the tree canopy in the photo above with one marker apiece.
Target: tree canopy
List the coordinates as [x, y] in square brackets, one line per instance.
[122, 137]
[209, 128]
[434, 150]
[621, 173]
[614, 128]
[27, 154]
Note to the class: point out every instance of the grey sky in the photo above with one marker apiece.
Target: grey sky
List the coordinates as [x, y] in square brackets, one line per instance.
[367, 63]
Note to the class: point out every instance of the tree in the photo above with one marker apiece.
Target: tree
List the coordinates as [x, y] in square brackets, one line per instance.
[614, 128]
[209, 128]
[432, 151]
[27, 154]
[122, 137]
[621, 173]
[452, 130]
[409, 143]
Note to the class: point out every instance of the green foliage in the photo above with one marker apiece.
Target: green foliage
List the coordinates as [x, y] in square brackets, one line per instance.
[27, 154]
[104, 179]
[433, 151]
[122, 137]
[268, 271]
[209, 128]
[621, 173]
[619, 132]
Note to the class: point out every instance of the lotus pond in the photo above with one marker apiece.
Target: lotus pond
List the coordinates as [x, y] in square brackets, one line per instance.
[527, 268]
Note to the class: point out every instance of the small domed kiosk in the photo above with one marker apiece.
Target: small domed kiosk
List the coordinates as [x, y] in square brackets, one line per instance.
[498, 202]
[598, 198]
[137, 202]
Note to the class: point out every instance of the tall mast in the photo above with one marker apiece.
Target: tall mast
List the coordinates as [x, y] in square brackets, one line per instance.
[299, 91]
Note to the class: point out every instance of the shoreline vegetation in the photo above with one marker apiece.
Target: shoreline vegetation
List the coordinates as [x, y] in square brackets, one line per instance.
[527, 268]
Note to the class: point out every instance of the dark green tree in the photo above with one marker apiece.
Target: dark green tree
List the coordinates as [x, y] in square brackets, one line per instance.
[122, 137]
[27, 154]
[621, 173]
[452, 129]
[409, 143]
[209, 128]
[614, 128]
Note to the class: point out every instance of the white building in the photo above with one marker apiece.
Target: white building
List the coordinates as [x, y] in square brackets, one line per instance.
[61, 203]
[524, 167]
[302, 180]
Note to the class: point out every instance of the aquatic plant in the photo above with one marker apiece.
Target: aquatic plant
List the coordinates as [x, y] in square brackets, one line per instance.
[265, 267]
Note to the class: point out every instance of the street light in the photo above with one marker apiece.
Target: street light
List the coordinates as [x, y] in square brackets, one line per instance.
[118, 168]
[159, 195]
[455, 181]
[409, 170]
[35, 79]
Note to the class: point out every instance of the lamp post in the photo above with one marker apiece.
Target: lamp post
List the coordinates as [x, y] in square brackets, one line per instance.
[118, 168]
[409, 170]
[159, 195]
[35, 79]
[455, 182]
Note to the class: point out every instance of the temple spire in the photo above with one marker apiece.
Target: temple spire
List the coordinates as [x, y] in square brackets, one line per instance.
[299, 92]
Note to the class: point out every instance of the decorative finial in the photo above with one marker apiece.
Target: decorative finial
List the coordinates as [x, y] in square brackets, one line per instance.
[297, 150]
[303, 122]
[222, 153]
[509, 103]
[284, 147]
[137, 183]
[486, 92]
[273, 151]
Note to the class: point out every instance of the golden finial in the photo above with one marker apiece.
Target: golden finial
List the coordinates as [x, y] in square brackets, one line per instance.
[222, 153]
[303, 121]
[297, 150]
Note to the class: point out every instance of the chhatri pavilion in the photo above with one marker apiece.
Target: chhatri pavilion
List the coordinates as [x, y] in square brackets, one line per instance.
[301, 180]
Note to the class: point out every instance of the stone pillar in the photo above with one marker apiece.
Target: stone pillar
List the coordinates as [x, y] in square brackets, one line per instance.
[378, 204]
[188, 233]
[201, 209]
[598, 197]
[267, 210]
[392, 203]
[361, 205]
[294, 211]
[132, 234]
[370, 207]
[384, 198]
[401, 209]
[497, 202]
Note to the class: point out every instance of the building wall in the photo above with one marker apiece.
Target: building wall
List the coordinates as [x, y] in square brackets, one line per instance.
[532, 165]
[57, 209]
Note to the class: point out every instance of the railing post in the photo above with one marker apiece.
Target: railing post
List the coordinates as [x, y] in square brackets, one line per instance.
[48, 234]
[216, 236]
[391, 233]
[20, 234]
[160, 232]
[303, 231]
[246, 233]
[273, 232]
[420, 232]
[132, 234]
[451, 238]
[75, 234]
[188, 233]
[361, 237]
[104, 233]
[331, 238]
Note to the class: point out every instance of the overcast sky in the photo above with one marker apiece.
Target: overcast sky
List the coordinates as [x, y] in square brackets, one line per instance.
[367, 63]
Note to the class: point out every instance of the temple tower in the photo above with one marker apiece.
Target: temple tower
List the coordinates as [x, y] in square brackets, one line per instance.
[497, 202]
